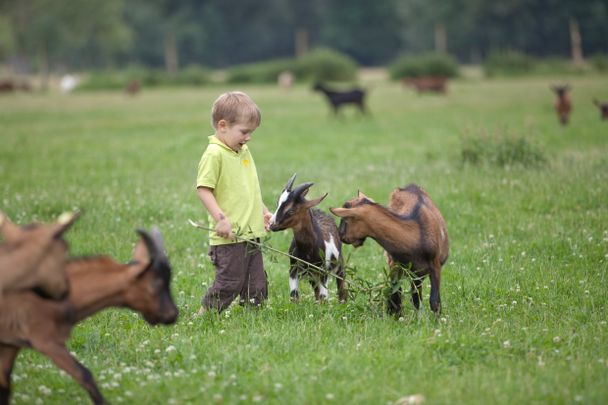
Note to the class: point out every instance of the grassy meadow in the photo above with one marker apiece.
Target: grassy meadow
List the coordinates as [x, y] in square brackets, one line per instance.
[523, 292]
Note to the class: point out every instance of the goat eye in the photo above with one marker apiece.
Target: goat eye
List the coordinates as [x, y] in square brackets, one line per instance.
[290, 211]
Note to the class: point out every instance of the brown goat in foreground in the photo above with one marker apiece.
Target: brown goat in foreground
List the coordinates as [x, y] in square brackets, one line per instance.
[96, 283]
[563, 104]
[315, 240]
[34, 256]
[411, 231]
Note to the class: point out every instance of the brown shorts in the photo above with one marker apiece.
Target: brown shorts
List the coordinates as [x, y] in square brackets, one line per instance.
[239, 270]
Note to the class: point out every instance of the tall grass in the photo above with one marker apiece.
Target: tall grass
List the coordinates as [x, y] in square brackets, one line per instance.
[523, 293]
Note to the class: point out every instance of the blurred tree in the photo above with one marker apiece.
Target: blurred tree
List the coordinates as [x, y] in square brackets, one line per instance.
[64, 32]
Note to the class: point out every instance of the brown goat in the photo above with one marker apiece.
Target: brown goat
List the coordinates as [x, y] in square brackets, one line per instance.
[315, 240]
[132, 87]
[603, 106]
[426, 84]
[96, 283]
[563, 104]
[34, 256]
[411, 231]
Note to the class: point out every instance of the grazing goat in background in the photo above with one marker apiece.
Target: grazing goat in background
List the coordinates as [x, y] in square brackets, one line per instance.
[132, 87]
[34, 256]
[426, 84]
[339, 98]
[411, 231]
[315, 240]
[96, 283]
[563, 104]
[603, 106]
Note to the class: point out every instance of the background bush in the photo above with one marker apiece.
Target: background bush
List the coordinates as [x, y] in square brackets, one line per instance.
[193, 75]
[325, 65]
[428, 64]
[502, 149]
[262, 72]
[508, 63]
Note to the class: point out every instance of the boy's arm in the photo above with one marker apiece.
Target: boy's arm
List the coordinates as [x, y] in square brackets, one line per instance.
[222, 225]
[267, 215]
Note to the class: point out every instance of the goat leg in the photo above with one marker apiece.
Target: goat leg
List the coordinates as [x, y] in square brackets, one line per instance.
[68, 363]
[435, 299]
[416, 290]
[341, 283]
[7, 360]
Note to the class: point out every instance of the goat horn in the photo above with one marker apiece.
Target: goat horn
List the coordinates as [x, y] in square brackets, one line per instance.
[290, 182]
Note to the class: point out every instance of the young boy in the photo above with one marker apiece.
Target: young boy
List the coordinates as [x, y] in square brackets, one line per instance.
[228, 186]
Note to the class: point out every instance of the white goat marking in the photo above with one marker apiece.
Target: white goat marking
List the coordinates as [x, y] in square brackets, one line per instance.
[330, 250]
[282, 200]
[293, 284]
[323, 290]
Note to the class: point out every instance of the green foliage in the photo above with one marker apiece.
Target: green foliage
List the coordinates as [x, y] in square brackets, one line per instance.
[427, 64]
[262, 72]
[324, 64]
[117, 79]
[508, 63]
[501, 148]
[320, 64]
[599, 61]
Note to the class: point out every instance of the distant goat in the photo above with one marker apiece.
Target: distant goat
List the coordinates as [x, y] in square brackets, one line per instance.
[132, 87]
[412, 232]
[603, 106]
[426, 84]
[338, 99]
[96, 283]
[315, 240]
[34, 256]
[563, 104]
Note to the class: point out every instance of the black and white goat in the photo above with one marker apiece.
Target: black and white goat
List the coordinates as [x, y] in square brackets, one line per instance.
[315, 240]
[339, 98]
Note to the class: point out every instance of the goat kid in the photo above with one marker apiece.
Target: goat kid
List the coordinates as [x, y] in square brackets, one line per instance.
[563, 104]
[338, 99]
[34, 256]
[96, 283]
[411, 231]
[603, 106]
[315, 240]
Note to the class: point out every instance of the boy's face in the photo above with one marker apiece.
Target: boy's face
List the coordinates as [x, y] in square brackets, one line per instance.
[235, 135]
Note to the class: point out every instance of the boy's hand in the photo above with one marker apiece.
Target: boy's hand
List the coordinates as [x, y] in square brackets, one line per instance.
[267, 216]
[223, 228]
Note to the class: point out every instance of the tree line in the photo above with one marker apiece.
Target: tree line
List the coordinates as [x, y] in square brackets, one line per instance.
[62, 35]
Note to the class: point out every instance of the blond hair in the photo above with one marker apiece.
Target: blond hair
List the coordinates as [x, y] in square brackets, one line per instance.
[235, 107]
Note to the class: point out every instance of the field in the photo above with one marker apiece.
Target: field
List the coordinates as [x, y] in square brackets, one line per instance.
[523, 292]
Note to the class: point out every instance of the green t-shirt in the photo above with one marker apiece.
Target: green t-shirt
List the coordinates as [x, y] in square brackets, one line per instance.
[236, 188]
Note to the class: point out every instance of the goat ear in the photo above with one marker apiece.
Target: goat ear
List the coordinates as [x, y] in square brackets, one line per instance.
[145, 249]
[342, 212]
[301, 190]
[361, 195]
[9, 230]
[316, 201]
[65, 221]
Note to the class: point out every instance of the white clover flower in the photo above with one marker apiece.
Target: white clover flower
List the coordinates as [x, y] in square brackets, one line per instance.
[506, 344]
[44, 390]
[257, 398]
[556, 339]
[329, 396]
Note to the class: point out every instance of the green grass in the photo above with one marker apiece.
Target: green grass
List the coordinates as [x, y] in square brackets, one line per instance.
[523, 293]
